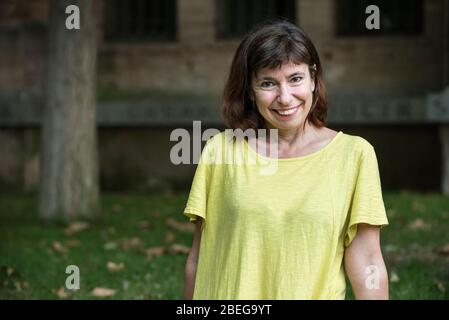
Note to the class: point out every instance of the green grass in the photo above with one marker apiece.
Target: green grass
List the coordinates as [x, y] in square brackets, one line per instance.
[412, 243]
[31, 268]
[26, 246]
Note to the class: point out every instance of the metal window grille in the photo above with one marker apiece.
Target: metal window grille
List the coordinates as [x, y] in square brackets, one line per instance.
[237, 17]
[139, 20]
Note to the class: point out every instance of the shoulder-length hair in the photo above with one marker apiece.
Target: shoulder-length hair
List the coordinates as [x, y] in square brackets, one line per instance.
[270, 45]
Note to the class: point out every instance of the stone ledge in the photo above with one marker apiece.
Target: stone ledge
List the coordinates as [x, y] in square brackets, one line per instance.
[22, 110]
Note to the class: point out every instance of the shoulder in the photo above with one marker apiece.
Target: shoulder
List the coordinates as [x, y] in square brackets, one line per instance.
[213, 149]
[354, 148]
[215, 141]
[357, 143]
[224, 138]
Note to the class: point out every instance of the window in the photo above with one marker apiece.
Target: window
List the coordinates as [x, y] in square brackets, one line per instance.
[139, 20]
[237, 17]
[397, 17]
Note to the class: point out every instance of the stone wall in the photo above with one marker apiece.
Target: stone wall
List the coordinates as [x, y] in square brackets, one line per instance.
[385, 65]
[136, 157]
[198, 62]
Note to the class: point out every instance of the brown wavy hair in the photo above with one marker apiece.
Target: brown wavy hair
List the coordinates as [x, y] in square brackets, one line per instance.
[271, 45]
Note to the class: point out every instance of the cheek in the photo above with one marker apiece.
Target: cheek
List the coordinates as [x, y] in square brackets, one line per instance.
[265, 99]
[304, 92]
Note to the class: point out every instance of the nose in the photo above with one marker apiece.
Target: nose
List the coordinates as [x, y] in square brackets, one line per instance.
[284, 95]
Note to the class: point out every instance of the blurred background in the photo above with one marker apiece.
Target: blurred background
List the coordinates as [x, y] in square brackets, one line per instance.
[93, 109]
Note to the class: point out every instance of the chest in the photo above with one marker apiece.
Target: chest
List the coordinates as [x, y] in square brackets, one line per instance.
[291, 197]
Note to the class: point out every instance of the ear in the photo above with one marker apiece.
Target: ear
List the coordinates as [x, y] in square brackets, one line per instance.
[313, 85]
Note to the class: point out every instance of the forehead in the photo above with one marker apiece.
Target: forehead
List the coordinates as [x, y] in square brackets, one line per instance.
[285, 69]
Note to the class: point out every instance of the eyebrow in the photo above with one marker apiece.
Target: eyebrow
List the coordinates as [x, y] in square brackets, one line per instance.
[293, 74]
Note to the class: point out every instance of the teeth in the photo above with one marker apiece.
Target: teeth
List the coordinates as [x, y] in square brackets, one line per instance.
[287, 112]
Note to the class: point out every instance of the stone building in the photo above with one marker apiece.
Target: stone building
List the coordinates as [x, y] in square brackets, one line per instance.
[163, 63]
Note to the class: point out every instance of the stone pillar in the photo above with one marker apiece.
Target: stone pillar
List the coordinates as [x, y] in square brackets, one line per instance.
[446, 42]
[444, 139]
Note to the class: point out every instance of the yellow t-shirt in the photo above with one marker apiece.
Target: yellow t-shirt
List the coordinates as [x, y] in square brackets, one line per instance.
[281, 233]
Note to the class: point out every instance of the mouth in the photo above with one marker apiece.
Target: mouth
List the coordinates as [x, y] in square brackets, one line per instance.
[287, 112]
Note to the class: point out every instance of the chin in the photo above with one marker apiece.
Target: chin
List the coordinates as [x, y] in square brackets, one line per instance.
[287, 126]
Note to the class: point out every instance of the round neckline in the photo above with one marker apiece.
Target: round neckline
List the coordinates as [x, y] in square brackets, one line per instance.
[300, 158]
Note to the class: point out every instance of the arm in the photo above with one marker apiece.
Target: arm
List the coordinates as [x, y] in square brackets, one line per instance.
[365, 266]
[192, 259]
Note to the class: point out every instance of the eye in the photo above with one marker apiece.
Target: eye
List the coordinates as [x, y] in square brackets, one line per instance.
[297, 79]
[267, 84]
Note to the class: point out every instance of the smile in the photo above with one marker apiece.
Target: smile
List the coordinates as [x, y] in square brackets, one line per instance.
[287, 112]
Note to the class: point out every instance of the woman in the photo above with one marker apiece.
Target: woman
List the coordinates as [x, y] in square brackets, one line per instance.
[296, 232]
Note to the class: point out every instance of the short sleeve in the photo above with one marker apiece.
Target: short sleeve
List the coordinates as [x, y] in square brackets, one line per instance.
[367, 204]
[197, 202]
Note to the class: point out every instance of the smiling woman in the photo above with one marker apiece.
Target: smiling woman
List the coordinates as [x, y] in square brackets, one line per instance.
[296, 232]
[276, 61]
[283, 96]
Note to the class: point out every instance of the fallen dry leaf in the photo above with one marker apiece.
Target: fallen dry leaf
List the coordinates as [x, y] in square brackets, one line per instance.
[170, 237]
[135, 243]
[440, 286]
[76, 227]
[125, 285]
[114, 267]
[180, 226]
[61, 293]
[394, 277]
[179, 248]
[418, 224]
[390, 248]
[110, 245]
[155, 213]
[155, 252]
[131, 243]
[58, 247]
[143, 225]
[73, 243]
[117, 207]
[103, 292]
[18, 285]
[445, 249]
[9, 271]
[418, 206]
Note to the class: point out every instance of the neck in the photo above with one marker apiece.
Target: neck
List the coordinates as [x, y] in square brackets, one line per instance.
[296, 137]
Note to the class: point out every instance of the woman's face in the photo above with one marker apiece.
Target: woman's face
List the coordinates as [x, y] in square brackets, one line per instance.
[284, 96]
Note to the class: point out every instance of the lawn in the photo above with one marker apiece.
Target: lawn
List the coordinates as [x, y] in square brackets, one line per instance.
[137, 250]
